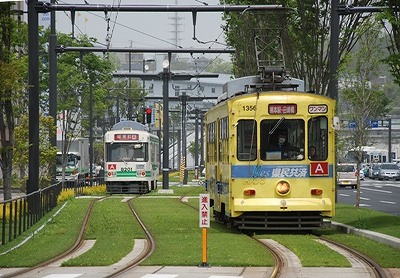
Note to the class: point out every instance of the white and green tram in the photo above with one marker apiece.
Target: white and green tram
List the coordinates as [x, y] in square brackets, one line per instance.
[131, 159]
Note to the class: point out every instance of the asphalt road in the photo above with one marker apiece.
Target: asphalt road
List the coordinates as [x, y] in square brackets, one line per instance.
[377, 195]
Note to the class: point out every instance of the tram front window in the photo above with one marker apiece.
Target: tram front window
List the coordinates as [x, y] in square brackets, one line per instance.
[126, 152]
[282, 139]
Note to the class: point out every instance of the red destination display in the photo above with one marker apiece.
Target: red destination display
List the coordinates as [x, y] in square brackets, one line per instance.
[282, 109]
[126, 137]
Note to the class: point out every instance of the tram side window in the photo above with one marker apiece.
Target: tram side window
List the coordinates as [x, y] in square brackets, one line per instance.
[211, 155]
[246, 140]
[318, 138]
[282, 139]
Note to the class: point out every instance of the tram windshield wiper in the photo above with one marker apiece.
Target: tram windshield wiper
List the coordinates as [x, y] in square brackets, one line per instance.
[276, 125]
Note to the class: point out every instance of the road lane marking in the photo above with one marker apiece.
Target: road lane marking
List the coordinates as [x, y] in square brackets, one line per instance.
[378, 190]
[388, 202]
[159, 276]
[62, 275]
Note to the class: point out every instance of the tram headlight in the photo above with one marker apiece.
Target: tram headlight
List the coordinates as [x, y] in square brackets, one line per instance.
[283, 188]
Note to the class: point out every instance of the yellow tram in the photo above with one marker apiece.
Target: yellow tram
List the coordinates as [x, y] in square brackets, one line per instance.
[270, 156]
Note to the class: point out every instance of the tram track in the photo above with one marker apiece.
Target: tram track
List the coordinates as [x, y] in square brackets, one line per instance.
[284, 261]
[78, 244]
[148, 250]
[374, 268]
[284, 264]
[112, 271]
[278, 258]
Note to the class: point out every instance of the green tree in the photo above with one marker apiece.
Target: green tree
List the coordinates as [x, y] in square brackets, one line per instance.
[390, 20]
[303, 33]
[46, 151]
[218, 65]
[11, 75]
[80, 76]
[362, 102]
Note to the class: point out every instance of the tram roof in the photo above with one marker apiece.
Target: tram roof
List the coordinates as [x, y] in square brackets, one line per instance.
[129, 125]
[249, 84]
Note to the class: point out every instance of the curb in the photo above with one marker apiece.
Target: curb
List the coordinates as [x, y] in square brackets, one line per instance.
[378, 237]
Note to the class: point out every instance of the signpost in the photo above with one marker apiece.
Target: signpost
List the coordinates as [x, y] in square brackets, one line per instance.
[204, 223]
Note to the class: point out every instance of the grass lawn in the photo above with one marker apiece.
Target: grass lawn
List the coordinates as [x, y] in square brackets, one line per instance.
[175, 228]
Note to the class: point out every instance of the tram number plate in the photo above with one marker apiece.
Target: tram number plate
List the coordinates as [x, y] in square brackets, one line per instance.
[318, 109]
[126, 169]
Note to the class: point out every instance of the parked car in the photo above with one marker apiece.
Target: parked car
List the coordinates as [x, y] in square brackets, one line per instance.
[389, 171]
[374, 171]
[346, 175]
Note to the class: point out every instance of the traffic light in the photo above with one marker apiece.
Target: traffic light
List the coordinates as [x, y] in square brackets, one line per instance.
[148, 115]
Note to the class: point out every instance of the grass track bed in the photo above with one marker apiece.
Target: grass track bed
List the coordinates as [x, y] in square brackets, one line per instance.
[175, 228]
[114, 228]
[310, 252]
[384, 255]
[57, 237]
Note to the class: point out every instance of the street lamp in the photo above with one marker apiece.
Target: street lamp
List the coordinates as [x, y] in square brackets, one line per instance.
[165, 78]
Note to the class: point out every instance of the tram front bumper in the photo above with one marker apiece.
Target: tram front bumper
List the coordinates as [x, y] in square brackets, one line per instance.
[281, 204]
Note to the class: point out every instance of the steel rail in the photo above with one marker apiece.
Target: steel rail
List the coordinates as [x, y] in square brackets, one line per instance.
[78, 243]
[150, 246]
[376, 268]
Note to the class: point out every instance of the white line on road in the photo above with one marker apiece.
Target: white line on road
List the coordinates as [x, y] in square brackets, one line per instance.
[378, 190]
[388, 202]
[344, 195]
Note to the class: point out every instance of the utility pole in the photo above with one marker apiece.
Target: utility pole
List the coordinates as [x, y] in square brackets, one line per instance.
[196, 144]
[184, 99]
[32, 184]
[165, 78]
[53, 81]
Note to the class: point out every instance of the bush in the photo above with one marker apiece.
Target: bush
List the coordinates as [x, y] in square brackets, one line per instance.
[95, 190]
[65, 195]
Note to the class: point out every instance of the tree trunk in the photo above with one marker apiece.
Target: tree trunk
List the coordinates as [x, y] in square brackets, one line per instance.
[6, 108]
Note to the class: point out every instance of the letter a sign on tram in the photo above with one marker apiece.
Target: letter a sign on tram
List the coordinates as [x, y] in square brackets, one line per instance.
[319, 169]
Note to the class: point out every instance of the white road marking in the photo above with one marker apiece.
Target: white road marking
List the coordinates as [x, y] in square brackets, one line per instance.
[388, 202]
[62, 275]
[366, 199]
[378, 190]
[213, 276]
[159, 276]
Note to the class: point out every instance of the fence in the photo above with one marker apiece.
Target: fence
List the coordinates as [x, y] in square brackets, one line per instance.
[19, 214]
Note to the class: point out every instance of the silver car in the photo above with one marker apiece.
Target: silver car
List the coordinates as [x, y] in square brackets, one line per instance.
[389, 171]
[346, 175]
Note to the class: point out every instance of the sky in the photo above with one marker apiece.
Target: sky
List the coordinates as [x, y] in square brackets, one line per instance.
[145, 29]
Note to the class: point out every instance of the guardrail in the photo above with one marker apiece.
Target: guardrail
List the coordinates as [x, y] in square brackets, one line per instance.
[18, 214]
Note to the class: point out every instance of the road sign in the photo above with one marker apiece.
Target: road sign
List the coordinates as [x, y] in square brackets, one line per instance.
[204, 210]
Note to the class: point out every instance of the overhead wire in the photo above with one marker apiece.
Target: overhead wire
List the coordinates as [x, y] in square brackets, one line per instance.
[122, 25]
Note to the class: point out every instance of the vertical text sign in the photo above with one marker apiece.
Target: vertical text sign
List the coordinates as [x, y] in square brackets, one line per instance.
[204, 210]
